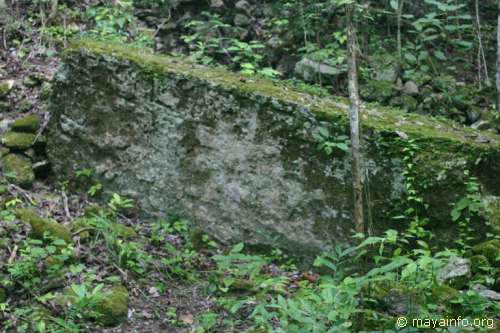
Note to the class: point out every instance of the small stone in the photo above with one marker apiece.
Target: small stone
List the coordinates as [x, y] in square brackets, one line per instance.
[41, 226]
[28, 124]
[398, 303]
[456, 273]
[410, 88]
[6, 87]
[18, 141]
[113, 307]
[18, 170]
[487, 293]
[241, 20]
[217, 4]
[482, 125]
[242, 5]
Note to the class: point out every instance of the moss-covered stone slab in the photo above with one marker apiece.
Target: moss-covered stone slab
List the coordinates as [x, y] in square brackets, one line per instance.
[238, 156]
[18, 169]
[28, 124]
[41, 226]
[18, 141]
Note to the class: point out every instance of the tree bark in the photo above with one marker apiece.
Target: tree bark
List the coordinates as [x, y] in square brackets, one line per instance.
[399, 23]
[354, 117]
[498, 59]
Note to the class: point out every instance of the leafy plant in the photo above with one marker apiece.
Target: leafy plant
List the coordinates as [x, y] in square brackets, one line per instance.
[118, 203]
[329, 142]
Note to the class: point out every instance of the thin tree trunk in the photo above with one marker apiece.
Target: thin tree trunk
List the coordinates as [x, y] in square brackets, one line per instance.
[498, 60]
[400, 15]
[482, 57]
[354, 116]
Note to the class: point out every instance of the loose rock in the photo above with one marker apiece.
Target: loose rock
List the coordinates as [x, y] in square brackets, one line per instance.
[40, 225]
[18, 141]
[28, 124]
[18, 169]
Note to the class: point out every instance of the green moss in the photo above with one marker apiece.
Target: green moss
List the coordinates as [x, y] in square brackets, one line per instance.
[113, 306]
[335, 109]
[25, 106]
[40, 225]
[478, 263]
[3, 295]
[490, 249]
[405, 102]
[45, 90]
[96, 210]
[6, 87]
[443, 293]
[123, 231]
[492, 213]
[18, 141]
[80, 226]
[377, 91]
[28, 124]
[18, 169]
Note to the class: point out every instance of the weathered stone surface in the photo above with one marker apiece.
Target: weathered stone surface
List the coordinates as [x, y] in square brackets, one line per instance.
[487, 293]
[238, 157]
[456, 273]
